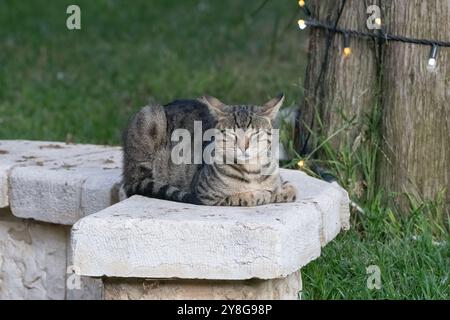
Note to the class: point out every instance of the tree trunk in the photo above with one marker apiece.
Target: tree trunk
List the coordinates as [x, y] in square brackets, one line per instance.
[339, 91]
[415, 128]
[416, 102]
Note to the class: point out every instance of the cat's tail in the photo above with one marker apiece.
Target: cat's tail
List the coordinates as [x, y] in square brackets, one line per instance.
[147, 187]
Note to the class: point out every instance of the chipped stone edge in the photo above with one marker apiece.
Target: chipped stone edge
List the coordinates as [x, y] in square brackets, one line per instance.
[69, 218]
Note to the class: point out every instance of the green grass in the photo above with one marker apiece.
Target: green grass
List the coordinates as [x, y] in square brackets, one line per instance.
[87, 83]
[83, 85]
[413, 263]
[411, 251]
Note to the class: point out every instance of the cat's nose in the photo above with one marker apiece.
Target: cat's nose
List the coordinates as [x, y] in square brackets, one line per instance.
[244, 144]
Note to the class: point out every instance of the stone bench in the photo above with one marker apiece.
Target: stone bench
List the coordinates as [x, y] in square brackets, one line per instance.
[145, 248]
[155, 249]
[45, 187]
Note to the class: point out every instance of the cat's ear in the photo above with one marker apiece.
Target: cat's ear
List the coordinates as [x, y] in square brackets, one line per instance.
[215, 105]
[270, 109]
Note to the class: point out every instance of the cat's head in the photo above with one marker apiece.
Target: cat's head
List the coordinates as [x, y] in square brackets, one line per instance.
[246, 129]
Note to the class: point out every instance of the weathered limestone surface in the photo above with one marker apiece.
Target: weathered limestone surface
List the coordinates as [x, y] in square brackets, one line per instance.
[35, 264]
[255, 252]
[32, 259]
[58, 182]
[79, 287]
[178, 289]
[150, 238]
[4, 201]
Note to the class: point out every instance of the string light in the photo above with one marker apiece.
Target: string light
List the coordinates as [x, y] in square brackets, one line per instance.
[301, 163]
[432, 61]
[347, 52]
[347, 49]
[378, 22]
[380, 35]
[302, 24]
[302, 5]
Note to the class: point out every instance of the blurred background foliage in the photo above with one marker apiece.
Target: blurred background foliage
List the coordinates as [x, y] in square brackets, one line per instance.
[83, 85]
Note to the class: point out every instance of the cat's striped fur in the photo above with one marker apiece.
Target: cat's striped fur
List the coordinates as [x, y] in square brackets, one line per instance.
[149, 171]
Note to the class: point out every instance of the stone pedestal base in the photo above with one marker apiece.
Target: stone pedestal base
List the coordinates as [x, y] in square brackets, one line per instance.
[146, 248]
[178, 289]
[202, 252]
[32, 259]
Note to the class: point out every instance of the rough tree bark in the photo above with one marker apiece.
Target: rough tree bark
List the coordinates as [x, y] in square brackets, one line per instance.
[415, 128]
[337, 89]
[416, 102]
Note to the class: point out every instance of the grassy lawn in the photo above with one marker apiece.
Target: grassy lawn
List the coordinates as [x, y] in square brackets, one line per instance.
[412, 263]
[82, 86]
[86, 84]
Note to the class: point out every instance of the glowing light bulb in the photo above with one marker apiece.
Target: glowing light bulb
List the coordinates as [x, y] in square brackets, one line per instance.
[301, 3]
[378, 22]
[347, 49]
[301, 163]
[302, 24]
[432, 61]
[347, 52]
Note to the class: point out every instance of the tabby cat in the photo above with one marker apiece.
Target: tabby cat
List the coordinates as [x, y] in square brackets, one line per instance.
[149, 169]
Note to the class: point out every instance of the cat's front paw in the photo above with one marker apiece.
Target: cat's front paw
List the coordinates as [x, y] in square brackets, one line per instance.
[288, 193]
[248, 199]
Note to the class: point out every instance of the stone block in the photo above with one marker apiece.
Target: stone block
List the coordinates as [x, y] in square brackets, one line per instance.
[150, 238]
[179, 289]
[58, 182]
[32, 259]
